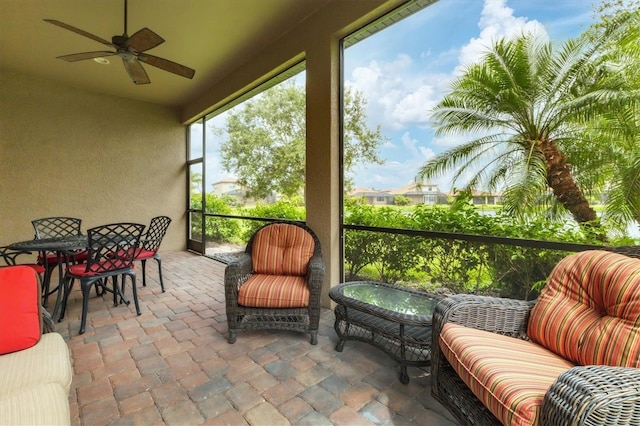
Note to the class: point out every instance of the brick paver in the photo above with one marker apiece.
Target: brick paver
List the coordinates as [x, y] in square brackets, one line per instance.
[172, 365]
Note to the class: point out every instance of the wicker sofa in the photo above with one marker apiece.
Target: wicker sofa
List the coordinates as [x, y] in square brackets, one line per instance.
[35, 369]
[569, 358]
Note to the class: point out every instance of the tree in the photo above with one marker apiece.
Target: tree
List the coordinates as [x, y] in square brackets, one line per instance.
[527, 102]
[620, 125]
[266, 142]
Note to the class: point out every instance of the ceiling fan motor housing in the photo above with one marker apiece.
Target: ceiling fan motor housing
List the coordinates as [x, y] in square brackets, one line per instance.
[119, 40]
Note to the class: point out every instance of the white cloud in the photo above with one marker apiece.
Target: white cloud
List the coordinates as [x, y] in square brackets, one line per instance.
[449, 141]
[414, 107]
[496, 21]
[398, 96]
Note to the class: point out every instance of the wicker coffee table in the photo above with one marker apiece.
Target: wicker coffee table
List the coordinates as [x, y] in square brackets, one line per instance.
[394, 319]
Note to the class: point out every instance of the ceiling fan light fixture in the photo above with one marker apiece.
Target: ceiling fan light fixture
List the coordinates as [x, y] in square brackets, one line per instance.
[102, 61]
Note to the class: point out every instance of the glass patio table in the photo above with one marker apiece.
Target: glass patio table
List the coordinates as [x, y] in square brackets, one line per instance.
[394, 319]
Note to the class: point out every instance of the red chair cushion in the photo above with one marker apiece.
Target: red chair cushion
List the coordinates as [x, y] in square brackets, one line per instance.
[282, 249]
[80, 270]
[274, 291]
[20, 316]
[144, 254]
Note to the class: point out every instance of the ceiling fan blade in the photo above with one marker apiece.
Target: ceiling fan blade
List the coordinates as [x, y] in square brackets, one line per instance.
[86, 55]
[79, 31]
[144, 39]
[166, 65]
[136, 71]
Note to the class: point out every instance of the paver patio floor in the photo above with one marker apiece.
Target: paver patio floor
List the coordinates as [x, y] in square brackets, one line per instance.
[172, 364]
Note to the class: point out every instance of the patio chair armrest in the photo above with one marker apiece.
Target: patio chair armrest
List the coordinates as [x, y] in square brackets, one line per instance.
[236, 273]
[315, 274]
[47, 322]
[498, 315]
[593, 395]
[8, 255]
[315, 268]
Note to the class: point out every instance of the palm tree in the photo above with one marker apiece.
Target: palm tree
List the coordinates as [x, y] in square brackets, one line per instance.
[523, 104]
[623, 122]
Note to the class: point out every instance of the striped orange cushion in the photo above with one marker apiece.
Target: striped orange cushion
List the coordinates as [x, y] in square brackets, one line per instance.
[510, 376]
[282, 249]
[274, 291]
[589, 311]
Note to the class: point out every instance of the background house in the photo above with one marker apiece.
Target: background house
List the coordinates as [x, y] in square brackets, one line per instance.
[422, 193]
[416, 192]
[373, 197]
[230, 187]
[484, 197]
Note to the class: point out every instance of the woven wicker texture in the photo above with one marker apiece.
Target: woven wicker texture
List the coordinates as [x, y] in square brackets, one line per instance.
[583, 395]
[241, 318]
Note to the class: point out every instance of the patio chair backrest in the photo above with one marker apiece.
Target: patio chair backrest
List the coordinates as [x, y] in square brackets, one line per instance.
[155, 233]
[51, 227]
[112, 247]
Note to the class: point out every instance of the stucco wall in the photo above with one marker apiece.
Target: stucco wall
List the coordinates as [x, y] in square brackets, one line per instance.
[67, 152]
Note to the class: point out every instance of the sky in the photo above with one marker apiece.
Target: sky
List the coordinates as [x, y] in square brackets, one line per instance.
[404, 70]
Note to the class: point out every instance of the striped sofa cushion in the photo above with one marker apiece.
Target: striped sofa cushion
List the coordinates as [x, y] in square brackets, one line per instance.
[274, 291]
[589, 311]
[510, 376]
[282, 249]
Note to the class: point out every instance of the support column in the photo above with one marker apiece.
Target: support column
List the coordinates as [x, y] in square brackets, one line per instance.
[322, 167]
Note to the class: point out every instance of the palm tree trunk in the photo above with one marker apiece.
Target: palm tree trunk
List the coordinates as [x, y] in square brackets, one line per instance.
[560, 180]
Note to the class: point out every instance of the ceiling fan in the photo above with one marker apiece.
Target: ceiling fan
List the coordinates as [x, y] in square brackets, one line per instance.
[130, 49]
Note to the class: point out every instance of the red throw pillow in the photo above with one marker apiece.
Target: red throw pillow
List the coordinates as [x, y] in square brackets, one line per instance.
[20, 316]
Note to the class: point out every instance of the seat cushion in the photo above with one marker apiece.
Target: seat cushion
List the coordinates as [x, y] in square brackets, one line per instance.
[282, 249]
[144, 254]
[274, 291]
[42, 404]
[97, 268]
[510, 376]
[589, 310]
[20, 317]
[46, 362]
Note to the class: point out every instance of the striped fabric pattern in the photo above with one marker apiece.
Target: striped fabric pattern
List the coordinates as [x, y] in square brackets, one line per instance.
[282, 249]
[510, 376]
[589, 311]
[47, 362]
[42, 404]
[274, 291]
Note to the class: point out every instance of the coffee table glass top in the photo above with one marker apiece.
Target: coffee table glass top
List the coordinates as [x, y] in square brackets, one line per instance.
[390, 298]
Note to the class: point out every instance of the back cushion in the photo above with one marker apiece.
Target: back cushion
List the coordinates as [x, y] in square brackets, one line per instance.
[282, 249]
[20, 319]
[589, 311]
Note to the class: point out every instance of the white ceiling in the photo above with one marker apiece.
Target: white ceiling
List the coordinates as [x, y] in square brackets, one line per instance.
[213, 37]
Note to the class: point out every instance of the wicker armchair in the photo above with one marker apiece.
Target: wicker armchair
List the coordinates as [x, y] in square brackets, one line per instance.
[582, 395]
[249, 285]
